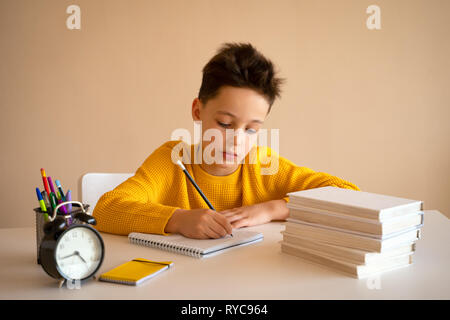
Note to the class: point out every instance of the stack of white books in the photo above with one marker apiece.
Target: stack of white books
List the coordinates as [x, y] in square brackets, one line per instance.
[358, 233]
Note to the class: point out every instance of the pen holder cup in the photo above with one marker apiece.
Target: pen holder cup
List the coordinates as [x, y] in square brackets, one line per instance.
[40, 222]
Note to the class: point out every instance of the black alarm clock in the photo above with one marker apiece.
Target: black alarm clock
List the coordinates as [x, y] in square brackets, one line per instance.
[71, 251]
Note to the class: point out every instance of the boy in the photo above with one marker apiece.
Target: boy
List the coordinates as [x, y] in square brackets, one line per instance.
[238, 89]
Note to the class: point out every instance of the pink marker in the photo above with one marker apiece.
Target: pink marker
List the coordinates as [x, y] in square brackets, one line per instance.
[50, 183]
[52, 189]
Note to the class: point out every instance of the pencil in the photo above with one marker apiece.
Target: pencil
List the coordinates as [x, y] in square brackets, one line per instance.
[196, 186]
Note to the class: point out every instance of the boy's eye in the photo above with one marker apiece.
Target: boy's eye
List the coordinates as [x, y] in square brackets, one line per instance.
[225, 125]
[251, 131]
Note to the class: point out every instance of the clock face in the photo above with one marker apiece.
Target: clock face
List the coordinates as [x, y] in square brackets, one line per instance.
[79, 253]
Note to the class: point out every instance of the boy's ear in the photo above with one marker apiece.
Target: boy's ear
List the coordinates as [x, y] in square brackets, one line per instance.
[196, 107]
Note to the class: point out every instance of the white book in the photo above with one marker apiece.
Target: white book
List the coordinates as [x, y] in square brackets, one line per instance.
[348, 222]
[359, 233]
[351, 239]
[348, 254]
[356, 203]
[198, 248]
[355, 270]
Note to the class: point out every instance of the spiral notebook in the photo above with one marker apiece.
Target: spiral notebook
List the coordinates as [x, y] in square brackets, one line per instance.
[197, 248]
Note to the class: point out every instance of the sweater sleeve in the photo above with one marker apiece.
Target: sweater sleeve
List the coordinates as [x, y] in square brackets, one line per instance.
[134, 205]
[290, 178]
[302, 178]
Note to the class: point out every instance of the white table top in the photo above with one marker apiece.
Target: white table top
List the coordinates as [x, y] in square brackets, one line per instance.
[257, 271]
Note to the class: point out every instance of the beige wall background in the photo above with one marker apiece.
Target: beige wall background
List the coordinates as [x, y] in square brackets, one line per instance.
[369, 106]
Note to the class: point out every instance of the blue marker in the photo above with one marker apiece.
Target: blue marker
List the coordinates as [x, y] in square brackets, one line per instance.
[61, 193]
[41, 200]
[42, 204]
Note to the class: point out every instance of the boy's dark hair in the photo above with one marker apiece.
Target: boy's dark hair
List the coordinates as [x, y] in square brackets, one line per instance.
[240, 65]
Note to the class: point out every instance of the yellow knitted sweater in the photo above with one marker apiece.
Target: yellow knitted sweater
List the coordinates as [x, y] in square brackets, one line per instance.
[146, 201]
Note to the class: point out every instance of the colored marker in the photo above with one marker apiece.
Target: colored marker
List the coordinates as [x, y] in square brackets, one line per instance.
[50, 183]
[69, 198]
[53, 200]
[45, 197]
[41, 201]
[44, 180]
[69, 206]
[61, 209]
[42, 204]
[61, 195]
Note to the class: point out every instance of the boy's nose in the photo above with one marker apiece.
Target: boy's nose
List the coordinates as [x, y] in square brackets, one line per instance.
[235, 138]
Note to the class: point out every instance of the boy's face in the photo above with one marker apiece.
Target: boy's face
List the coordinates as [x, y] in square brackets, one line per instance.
[241, 109]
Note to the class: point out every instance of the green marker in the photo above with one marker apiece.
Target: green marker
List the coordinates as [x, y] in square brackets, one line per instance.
[53, 200]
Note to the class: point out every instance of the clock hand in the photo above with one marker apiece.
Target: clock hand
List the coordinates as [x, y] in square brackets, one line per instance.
[70, 255]
[78, 254]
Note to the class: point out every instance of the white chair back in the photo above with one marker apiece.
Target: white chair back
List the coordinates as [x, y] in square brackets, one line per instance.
[94, 185]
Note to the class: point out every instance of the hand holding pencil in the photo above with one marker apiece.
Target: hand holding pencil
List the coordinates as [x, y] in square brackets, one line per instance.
[198, 223]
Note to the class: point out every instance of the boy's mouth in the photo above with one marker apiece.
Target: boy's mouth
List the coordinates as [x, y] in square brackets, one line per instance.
[229, 155]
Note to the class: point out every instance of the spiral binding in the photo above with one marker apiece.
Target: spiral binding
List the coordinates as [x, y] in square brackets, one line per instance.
[130, 283]
[167, 246]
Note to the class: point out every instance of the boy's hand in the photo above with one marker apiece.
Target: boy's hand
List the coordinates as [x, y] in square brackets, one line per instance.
[248, 215]
[259, 213]
[198, 224]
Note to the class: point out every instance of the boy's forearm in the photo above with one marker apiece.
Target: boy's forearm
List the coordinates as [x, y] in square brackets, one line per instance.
[172, 224]
[277, 209]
